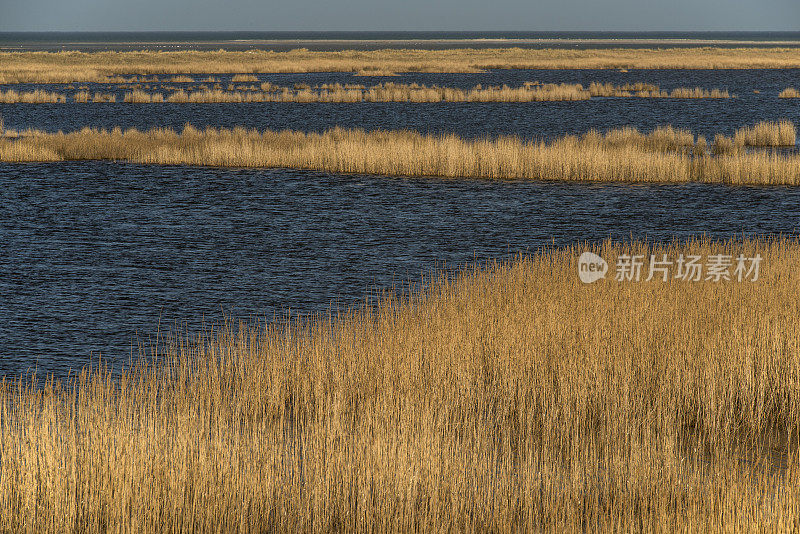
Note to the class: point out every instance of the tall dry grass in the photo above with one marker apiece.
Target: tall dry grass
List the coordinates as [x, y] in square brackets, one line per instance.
[385, 92]
[85, 96]
[789, 92]
[142, 97]
[37, 96]
[391, 92]
[66, 67]
[782, 133]
[243, 78]
[663, 155]
[646, 90]
[388, 92]
[511, 398]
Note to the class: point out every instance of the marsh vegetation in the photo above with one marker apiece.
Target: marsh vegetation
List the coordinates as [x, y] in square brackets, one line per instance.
[507, 398]
[384, 92]
[68, 67]
[663, 155]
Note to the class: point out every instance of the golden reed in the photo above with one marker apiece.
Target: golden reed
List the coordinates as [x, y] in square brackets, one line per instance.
[510, 398]
[385, 92]
[390, 92]
[663, 155]
[37, 96]
[66, 67]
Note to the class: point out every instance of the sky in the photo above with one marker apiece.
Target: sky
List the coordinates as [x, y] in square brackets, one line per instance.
[414, 15]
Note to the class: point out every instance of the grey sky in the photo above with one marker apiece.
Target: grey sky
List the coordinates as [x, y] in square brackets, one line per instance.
[520, 15]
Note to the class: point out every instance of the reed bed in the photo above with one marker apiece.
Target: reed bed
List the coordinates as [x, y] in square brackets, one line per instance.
[142, 97]
[126, 79]
[645, 90]
[374, 71]
[67, 67]
[697, 92]
[85, 96]
[508, 398]
[664, 155]
[789, 92]
[782, 133]
[390, 92]
[243, 78]
[38, 96]
[384, 92]
[387, 93]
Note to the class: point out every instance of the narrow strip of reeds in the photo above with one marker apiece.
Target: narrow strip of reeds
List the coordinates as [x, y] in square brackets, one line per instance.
[126, 79]
[243, 78]
[386, 92]
[37, 96]
[142, 97]
[789, 92]
[390, 92]
[646, 90]
[664, 155]
[85, 96]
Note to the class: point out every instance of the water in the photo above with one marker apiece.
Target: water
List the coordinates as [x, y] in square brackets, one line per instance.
[96, 257]
[372, 40]
[94, 253]
[529, 120]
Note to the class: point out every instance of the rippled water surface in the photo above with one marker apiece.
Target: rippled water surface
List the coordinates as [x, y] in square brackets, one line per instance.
[529, 120]
[98, 256]
[93, 253]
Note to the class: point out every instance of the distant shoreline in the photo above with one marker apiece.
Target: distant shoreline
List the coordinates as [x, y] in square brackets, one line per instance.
[335, 44]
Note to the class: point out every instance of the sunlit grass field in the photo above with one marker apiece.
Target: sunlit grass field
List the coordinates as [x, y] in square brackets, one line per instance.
[505, 398]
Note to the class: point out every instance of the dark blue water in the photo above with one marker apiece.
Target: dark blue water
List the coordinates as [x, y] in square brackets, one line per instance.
[96, 257]
[93, 254]
[363, 40]
[529, 120]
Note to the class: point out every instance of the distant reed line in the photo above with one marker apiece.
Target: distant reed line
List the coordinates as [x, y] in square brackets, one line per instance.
[385, 92]
[419, 93]
[790, 92]
[37, 96]
[664, 155]
[65, 67]
[506, 398]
